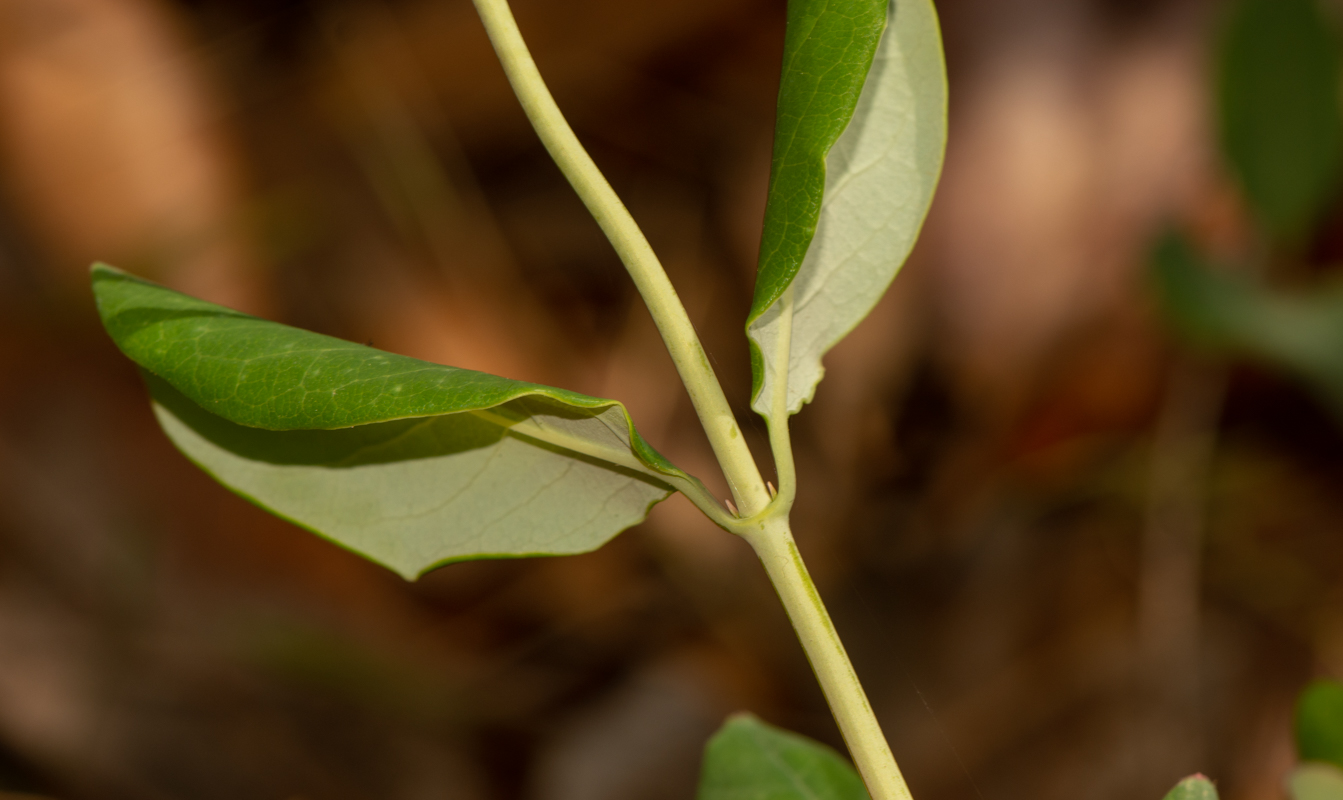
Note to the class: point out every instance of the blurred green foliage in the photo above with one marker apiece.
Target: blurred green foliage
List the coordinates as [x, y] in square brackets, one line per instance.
[1319, 723]
[1278, 95]
[1278, 104]
[1300, 331]
[1316, 781]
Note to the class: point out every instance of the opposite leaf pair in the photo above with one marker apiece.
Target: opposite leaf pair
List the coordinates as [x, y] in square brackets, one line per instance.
[415, 465]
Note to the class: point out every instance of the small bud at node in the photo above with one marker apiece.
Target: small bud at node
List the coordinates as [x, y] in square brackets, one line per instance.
[772, 491]
[731, 507]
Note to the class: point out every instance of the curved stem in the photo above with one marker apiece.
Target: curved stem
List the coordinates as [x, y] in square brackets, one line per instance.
[761, 521]
[773, 544]
[673, 323]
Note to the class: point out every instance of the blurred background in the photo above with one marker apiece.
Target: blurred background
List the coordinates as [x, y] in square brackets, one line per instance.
[1074, 553]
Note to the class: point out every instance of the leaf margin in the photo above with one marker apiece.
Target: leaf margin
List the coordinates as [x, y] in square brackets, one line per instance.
[773, 282]
[102, 273]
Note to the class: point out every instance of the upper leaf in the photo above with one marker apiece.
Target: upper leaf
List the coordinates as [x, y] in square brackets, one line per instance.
[1278, 92]
[1195, 787]
[409, 463]
[857, 155]
[750, 760]
[1319, 723]
[1300, 331]
[827, 52]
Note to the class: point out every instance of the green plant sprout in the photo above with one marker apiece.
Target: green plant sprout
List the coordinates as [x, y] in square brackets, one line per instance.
[416, 465]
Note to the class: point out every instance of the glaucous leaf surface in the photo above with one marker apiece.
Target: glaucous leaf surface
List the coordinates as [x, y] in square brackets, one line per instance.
[1316, 781]
[1195, 787]
[1278, 102]
[408, 463]
[1319, 723]
[1302, 332]
[857, 155]
[750, 760]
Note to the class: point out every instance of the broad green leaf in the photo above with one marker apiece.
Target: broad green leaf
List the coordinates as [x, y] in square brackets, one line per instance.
[1195, 787]
[1278, 93]
[1316, 781]
[857, 155]
[408, 463]
[1319, 723]
[749, 760]
[1302, 332]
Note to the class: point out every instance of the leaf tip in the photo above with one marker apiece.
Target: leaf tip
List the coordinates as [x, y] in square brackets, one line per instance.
[1195, 787]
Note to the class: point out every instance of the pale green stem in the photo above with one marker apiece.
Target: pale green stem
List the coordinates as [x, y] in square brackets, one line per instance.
[773, 543]
[760, 522]
[663, 303]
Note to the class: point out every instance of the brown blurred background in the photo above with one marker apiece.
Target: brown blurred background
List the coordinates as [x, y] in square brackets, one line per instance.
[1071, 559]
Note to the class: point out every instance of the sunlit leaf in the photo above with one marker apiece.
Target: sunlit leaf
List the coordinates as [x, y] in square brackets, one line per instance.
[750, 760]
[1319, 723]
[857, 155]
[409, 463]
[1195, 787]
[1316, 781]
[1302, 332]
[1278, 93]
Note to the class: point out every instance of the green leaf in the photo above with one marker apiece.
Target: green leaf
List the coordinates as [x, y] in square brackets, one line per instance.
[1278, 93]
[750, 760]
[1319, 723]
[857, 155]
[1302, 332]
[1195, 787]
[1316, 781]
[408, 463]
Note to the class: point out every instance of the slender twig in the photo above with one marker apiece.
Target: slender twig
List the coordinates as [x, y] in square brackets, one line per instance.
[761, 520]
[743, 477]
[773, 543]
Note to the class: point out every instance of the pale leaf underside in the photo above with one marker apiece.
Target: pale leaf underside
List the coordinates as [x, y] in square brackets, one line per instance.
[1316, 780]
[414, 494]
[880, 177]
[409, 463]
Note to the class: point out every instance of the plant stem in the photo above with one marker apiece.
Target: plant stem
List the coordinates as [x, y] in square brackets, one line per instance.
[720, 424]
[773, 544]
[762, 523]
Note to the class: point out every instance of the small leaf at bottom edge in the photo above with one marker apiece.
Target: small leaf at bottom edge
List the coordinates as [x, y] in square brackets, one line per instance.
[1319, 722]
[750, 760]
[1195, 787]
